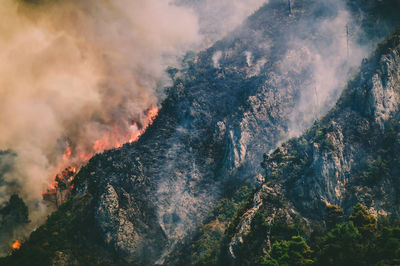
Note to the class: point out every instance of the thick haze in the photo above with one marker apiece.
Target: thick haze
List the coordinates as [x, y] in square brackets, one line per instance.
[329, 59]
[81, 71]
[67, 72]
[218, 17]
[310, 72]
[78, 70]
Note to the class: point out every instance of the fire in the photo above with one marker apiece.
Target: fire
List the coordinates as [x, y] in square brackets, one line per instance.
[151, 115]
[67, 152]
[16, 245]
[135, 133]
[67, 174]
[116, 138]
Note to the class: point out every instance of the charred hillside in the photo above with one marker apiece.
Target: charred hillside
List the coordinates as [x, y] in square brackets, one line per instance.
[228, 104]
[195, 177]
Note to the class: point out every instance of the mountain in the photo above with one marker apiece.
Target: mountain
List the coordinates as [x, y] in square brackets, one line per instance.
[350, 156]
[197, 165]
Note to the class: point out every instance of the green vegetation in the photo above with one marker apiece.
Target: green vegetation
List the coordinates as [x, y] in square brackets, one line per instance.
[15, 212]
[13, 216]
[383, 164]
[335, 215]
[375, 171]
[67, 231]
[358, 241]
[341, 246]
[292, 252]
[378, 18]
[211, 241]
[215, 238]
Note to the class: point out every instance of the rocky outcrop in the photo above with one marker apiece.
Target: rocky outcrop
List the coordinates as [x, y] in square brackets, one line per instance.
[230, 104]
[266, 195]
[218, 119]
[350, 156]
[112, 218]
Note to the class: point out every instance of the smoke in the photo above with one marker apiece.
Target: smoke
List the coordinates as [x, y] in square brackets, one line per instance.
[218, 17]
[310, 73]
[83, 71]
[78, 72]
[328, 59]
[215, 58]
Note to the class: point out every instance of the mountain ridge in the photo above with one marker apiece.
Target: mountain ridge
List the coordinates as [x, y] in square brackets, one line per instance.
[132, 197]
[314, 171]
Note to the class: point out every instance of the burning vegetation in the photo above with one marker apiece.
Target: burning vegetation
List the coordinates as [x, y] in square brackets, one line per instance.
[61, 187]
[16, 245]
[74, 156]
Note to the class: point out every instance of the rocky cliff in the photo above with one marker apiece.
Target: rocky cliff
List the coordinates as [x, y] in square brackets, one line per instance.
[230, 103]
[242, 97]
[350, 156]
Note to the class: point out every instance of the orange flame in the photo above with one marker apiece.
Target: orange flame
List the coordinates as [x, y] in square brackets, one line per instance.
[151, 116]
[113, 139]
[16, 245]
[67, 152]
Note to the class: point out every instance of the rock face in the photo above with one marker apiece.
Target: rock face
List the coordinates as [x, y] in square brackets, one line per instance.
[350, 156]
[230, 104]
[242, 97]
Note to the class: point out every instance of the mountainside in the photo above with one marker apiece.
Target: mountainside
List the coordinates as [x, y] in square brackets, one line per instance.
[310, 183]
[198, 165]
[350, 156]
[219, 117]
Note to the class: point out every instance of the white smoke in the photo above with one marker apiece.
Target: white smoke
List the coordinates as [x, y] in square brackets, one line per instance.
[329, 60]
[77, 70]
[215, 58]
[218, 17]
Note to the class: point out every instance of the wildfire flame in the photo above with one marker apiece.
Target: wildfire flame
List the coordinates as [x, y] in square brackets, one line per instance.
[114, 139]
[16, 245]
[67, 152]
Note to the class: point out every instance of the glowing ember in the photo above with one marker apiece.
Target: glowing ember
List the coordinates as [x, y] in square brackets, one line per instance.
[16, 245]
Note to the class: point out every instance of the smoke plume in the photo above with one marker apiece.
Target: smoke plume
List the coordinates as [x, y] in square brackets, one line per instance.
[218, 17]
[80, 76]
[328, 60]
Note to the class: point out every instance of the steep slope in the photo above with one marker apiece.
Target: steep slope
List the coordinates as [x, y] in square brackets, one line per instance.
[218, 118]
[350, 156]
[228, 105]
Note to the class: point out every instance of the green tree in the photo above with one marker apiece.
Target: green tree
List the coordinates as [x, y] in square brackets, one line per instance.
[388, 247]
[15, 212]
[342, 246]
[292, 252]
[365, 222]
[334, 215]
